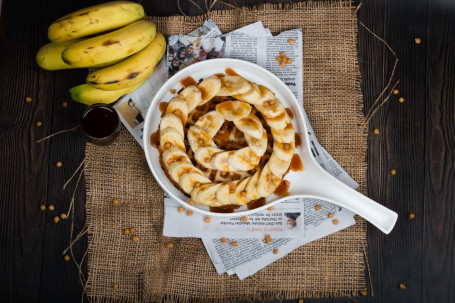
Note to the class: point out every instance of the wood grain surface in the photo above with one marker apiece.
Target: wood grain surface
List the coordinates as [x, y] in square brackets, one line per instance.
[416, 138]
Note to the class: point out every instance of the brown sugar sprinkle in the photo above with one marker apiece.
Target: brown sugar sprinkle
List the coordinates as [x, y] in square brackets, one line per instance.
[401, 286]
[65, 104]
[234, 243]
[268, 239]
[66, 258]
[126, 231]
[283, 64]
[170, 245]
[181, 209]
[189, 213]
[275, 251]
[283, 54]
[335, 222]
[132, 230]
[42, 207]
[364, 293]
[271, 208]
[63, 216]
[115, 286]
[28, 99]
[376, 131]
[288, 61]
[51, 207]
[39, 123]
[244, 219]
[135, 238]
[401, 100]
[207, 219]
[396, 91]
[393, 172]
[56, 219]
[59, 164]
[417, 40]
[317, 207]
[115, 201]
[278, 59]
[411, 216]
[172, 91]
[330, 215]
[224, 240]
[291, 41]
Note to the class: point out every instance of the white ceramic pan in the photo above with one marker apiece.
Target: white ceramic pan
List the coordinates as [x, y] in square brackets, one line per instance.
[312, 182]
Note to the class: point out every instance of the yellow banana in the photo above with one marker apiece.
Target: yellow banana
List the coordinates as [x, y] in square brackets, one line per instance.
[95, 19]
[50, 55]
[111, 46]
[132, 70]
[89, 95]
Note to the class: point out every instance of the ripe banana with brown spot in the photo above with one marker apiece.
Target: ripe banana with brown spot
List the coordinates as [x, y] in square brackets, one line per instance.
[132, 70]
[89, 95]
[95, 19]
[112, 46]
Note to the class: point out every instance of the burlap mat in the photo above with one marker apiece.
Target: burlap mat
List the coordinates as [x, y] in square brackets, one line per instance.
[148, 270]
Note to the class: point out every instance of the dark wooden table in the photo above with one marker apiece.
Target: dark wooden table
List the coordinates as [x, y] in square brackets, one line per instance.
[417, 139]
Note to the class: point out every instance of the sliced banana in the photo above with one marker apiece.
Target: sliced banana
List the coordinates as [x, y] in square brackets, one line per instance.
[177, 169]
[205, 194]
[280, 121]
[198, 138]
[284, 151]
[259, 146]
[239, 195]
[220, 161]
[233, 110]
[278, 166]
[266, 95]
[209, 87]
[203, 155]
[250, 125]
[285, 135]
[179, 108]
[171, 120]
[250, 96]
[251, 190]
[171, 137]
[243, 159]
[222, 195]
[233, 85]
[229, 176]
[192, 95]
[267, 182]
[211, 122]
[174, 154]
[188, 181]
[271, 109]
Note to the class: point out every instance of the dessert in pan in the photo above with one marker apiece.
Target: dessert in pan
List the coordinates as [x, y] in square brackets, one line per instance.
[226, 141]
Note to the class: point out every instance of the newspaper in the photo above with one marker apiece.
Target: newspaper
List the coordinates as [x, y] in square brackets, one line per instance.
[292, 223]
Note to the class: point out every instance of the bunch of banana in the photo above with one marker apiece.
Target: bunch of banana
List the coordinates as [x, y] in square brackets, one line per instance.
[128, 54]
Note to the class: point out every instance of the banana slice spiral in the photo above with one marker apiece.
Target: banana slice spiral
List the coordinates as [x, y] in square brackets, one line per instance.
[200, 138]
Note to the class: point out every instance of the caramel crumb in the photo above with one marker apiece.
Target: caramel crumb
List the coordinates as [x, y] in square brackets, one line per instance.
[317, 207]
[39, 123]
[170, 245]
[63, 216]
[59, 164]
[135, 238]
[283, 64]
[42, 207]
[178, 113]
[272, 102]
[181, 209]
[227, 84]
[291, 41]
[335, 222]
[132, 230]
[234, 243]
[271, 208]
[401, 286]
[244, 219]
[126, 231]
[268, 239]
[167, 145]
[283, 54]
[288, 61]
[115, 286]
[189, 213]
[376, 131]
[330, 215]
[28, 99]
[401, 100]
[363, 293]
[191, 202]
[65, 104]
[196, 184]
[283, 59]
[396, 91]
[266, 104]
[224, 240]
[56, 219]
[411, 216]
[243, 193]
[172, 91]
[207, 219]
[51, 207]
[275, 251]
[115, 202]
[393, 172]
[66, 258]
[278, 59]
[417, 40]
